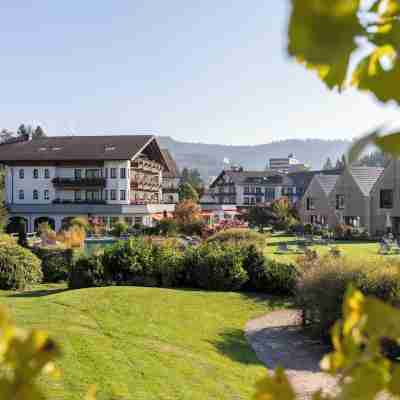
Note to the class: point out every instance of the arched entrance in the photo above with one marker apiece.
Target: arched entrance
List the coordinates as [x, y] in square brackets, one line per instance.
[42, 220]
[17, 225]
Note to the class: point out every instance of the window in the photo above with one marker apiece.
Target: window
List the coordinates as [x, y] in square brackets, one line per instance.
[106, 195]
[310, 204]
[92, 195]
[78, 174]
[269, 194]
[46, 195]
[246, 189]
[138, 220]
[77, 195]
[106, 173]
[113, 194]
[386, 198]
[93, 173]
[339, 202]
[113, 173]
[21, 195]
[35, 173]
[35, 195]
[246, 200]
[21, 173]
[258, 199]
[122, 173]
[46, 173]
[258, 190]
[122, 195]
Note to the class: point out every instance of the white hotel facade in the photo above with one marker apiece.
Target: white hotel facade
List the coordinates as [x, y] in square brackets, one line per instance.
[109, 177]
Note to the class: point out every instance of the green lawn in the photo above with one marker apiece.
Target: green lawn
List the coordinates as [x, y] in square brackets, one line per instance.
[151, 343]
[359, 250]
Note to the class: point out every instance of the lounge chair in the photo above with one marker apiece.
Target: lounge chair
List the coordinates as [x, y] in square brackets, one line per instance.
[283, 248]
[384, 249]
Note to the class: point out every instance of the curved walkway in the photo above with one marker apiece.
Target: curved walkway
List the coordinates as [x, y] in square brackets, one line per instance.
[278, 341]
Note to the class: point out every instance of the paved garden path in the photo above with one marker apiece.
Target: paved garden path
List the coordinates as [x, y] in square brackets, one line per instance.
[278, 341]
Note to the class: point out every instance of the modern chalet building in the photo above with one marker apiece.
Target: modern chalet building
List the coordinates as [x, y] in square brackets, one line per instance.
[109, 177]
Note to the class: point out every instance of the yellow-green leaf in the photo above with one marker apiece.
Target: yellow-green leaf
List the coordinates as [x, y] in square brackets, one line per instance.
[276, 387]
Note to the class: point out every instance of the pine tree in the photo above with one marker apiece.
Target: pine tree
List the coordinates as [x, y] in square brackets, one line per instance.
[24, 130]
[328, 164]
[38, 133]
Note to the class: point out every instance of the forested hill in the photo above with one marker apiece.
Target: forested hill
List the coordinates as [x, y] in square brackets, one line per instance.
[209, 158]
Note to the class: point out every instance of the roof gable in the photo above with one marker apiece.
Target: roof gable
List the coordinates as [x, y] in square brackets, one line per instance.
[327, 182]
[173, 171]
[366, 177]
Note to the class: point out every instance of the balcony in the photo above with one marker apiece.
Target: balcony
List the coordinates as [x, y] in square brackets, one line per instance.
[79, 182]
[62, 201]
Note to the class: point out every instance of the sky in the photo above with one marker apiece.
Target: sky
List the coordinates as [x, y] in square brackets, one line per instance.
[206, 71]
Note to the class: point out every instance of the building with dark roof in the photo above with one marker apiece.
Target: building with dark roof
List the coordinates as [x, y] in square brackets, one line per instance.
[171, 179]
[109, 177]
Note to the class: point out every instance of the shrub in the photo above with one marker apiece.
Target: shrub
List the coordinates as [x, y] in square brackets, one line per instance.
[87, 271]
[215, 267]
[169, 266]
[168, 227]
[81, 222]
[119, 229]
[19, 267]
[56, 263]
[323, 282]
[194, 228]
[130, 262]
[238, 235]
[275, 277]
[74, 237]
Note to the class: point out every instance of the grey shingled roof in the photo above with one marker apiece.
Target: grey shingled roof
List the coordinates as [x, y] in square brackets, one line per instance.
[366, 177]
[327, 182]
[66, 148]
[240, 177]
[172, 166]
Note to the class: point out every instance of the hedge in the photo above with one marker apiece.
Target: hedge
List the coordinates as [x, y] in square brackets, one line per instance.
[210, 266]
[56, 263]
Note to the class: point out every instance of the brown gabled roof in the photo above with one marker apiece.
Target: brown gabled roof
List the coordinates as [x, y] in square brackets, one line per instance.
[171, 163]
[71, 148]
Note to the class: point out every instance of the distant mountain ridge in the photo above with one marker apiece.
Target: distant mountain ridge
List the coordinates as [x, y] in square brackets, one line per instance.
[209, 158]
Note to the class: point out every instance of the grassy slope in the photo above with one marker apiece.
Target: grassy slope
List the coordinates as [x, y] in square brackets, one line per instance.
[361, 250]
[151, 343]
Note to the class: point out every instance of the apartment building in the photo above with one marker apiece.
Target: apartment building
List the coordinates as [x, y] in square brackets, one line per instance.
[286, 164]
[247, 188]
[109, 177]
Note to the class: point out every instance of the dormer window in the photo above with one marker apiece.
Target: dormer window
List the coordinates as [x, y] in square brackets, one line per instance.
[109, 147]
[56, 148]
[35, 173]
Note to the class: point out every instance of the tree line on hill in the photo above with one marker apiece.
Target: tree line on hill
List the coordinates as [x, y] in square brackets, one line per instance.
[373, 159]
[23, 130]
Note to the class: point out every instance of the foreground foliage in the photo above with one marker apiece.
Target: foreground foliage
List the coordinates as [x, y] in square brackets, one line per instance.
[24, 356]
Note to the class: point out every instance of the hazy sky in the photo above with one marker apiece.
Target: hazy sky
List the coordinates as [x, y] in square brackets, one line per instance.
[209, 71]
